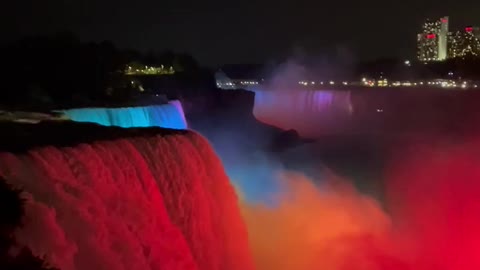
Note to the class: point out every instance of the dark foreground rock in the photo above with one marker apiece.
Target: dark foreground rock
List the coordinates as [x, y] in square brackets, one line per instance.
[18, 137]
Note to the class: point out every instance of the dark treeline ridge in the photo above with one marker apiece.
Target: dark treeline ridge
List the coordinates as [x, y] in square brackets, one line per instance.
[61, 71]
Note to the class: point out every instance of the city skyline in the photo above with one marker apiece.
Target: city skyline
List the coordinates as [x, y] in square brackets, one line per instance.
[436, 42]
[432, 40]
[217, 32]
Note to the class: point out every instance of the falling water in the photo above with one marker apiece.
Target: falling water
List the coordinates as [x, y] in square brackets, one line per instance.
[167, 115]
[309, 112]
[142, 201]
[160, 199]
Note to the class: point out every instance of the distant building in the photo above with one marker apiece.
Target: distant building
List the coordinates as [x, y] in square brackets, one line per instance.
[432, 41]
[231, 77]
[474, 30]
[464, 43]
[223, 81]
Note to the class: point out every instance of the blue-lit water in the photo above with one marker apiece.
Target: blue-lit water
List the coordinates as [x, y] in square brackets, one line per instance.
[169, 115]
[257, 177]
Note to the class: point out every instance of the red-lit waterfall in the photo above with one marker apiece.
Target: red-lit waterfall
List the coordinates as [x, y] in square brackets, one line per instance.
[113, 198]
[144, 201]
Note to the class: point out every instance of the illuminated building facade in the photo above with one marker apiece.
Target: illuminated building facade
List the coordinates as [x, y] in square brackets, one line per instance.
[433, 40]
[465, 43]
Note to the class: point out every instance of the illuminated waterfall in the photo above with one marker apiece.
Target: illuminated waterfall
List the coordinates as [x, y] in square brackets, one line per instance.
[112, 198]
[309, 112]
[169, 115]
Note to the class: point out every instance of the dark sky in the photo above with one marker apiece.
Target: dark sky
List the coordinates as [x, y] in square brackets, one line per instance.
[218, 32]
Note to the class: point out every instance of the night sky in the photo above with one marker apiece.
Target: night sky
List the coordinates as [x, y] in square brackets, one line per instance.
[218, 32]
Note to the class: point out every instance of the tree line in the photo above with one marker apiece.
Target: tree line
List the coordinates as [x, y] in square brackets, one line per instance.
[59, 70]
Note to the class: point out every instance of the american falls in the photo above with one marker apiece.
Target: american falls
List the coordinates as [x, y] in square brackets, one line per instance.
[111, 198]
[169, 115]
[309, 112]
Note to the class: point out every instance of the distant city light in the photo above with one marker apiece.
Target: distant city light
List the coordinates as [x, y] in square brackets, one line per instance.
[382, 83]
[332, 82]
[407, 62]
[146, 70]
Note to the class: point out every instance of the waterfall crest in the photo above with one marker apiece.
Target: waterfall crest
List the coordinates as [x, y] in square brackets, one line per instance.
[169, 115]
[309, 112]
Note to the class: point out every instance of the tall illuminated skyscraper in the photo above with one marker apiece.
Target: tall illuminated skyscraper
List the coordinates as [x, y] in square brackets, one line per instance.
[433, 40]
[443, 39]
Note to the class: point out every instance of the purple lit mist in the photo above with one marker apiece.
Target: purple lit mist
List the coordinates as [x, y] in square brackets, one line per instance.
[309, 112]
